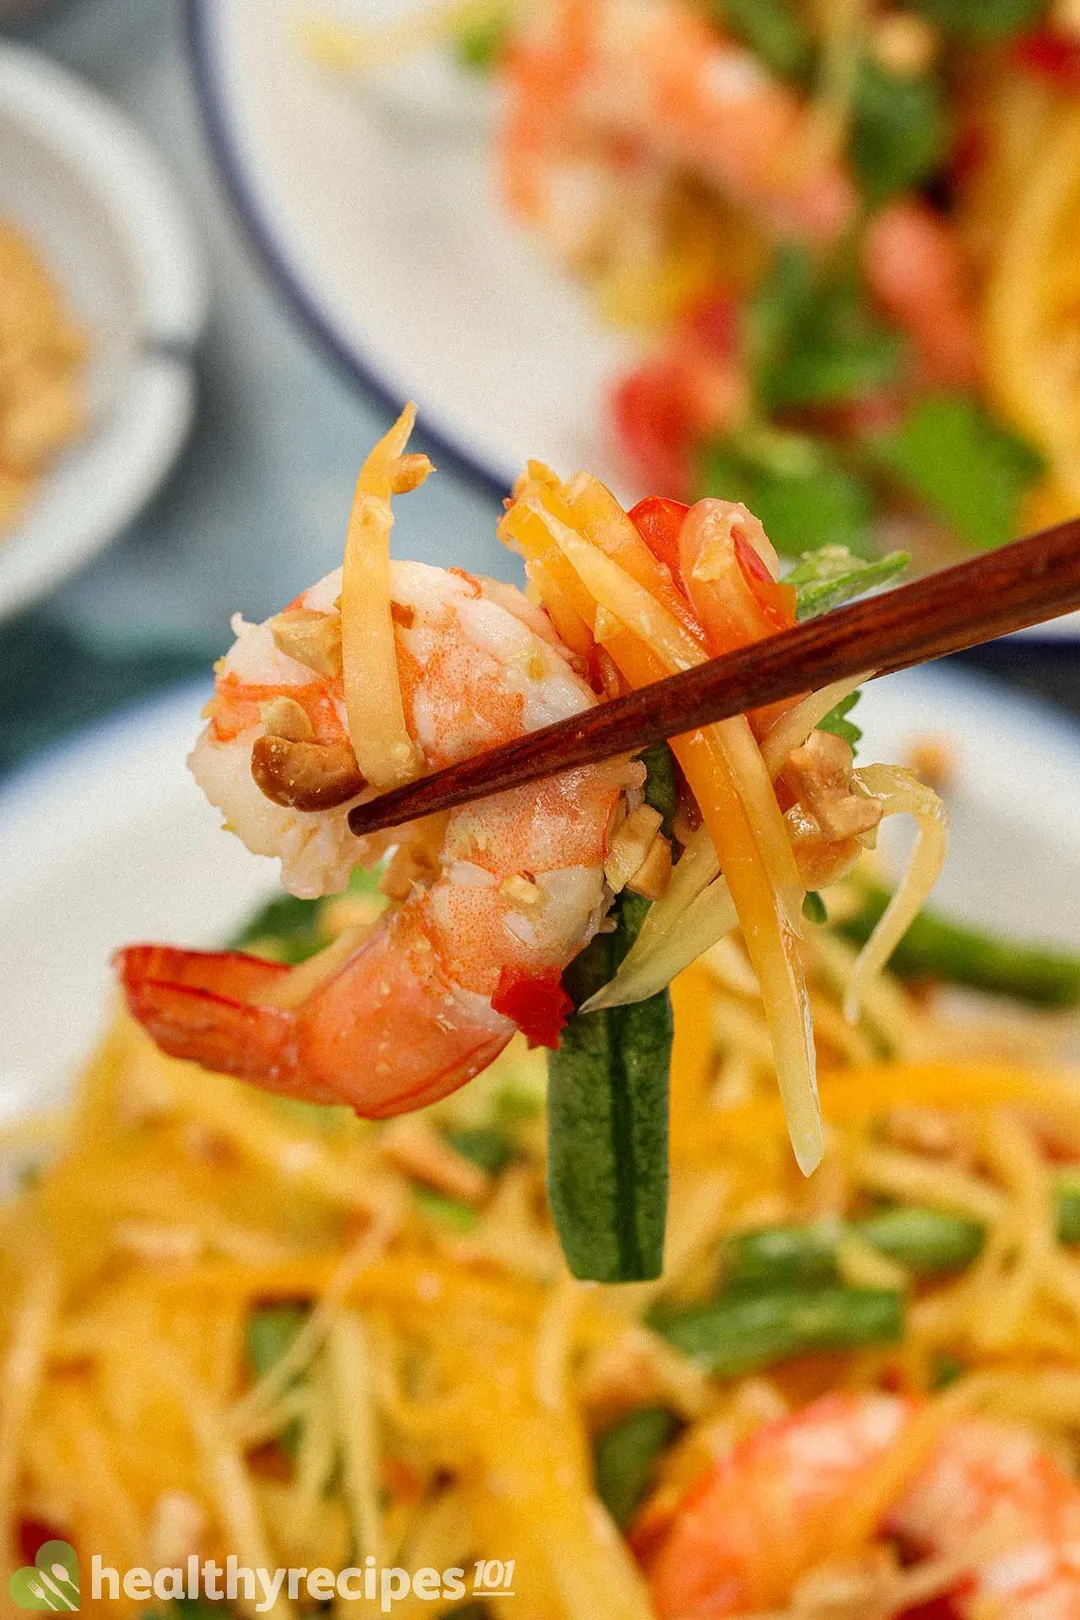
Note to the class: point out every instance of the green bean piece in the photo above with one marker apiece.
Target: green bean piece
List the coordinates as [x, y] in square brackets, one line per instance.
[625, 1456]
[926, 1241]
[743, 1332]
[607, 1119]
[662, 784]
[935, 947]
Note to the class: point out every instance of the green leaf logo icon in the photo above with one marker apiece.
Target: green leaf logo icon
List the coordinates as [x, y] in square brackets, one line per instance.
[50, 1582]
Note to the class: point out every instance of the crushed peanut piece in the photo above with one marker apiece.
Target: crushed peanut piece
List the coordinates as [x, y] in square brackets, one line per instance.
[284, 717]
[654, 874]
[520, 890]
[313, 639]
[819, 774]
[630, 845]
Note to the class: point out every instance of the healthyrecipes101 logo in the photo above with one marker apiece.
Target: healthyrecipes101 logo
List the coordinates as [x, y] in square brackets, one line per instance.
[50, 1582]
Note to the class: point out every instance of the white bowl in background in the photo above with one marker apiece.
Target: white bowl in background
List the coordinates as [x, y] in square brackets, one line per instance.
[104, 212]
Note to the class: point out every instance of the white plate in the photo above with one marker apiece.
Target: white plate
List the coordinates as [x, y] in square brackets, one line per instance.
[375, 208]
[109, 841]
[104, 212]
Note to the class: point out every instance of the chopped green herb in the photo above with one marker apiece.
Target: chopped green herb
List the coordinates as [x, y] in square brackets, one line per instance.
[607, 1119]
[480, 44]
[936, 948]
[742, 1332]
[774, 30]
[967, 468]
[830, 576]
[900, 132]
[483, 1145]
[837, 722]
[449, 1212]
[813, 907]
[661, 784]
[290, 930]
[946, 1370]
[625, 1456]
[988, 18]
[800, 507]
[814, 339]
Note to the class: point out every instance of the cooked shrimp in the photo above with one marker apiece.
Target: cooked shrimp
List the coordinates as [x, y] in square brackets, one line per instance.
[745, 1533]
[916, 272]
[508, 891]
[650, 84]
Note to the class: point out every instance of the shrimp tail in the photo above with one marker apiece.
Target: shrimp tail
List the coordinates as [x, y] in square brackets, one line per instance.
[201, 1006]
[383, 1034]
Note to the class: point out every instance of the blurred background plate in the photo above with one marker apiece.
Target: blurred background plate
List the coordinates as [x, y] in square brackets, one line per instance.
[376, 210]
[95, 200]
[374, 206]
[109, 841]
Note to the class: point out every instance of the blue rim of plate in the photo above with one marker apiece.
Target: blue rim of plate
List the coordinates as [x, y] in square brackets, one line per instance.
[300, 297]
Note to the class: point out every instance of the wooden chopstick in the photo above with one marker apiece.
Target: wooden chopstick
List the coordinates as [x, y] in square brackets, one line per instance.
[1017, 586]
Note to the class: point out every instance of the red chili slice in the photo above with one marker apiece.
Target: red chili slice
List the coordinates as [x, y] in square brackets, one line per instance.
[538, 1005]
[658, 521]
[1050, 55]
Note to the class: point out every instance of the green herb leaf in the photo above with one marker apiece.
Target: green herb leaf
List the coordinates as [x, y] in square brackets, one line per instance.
[449, 1212]
[900, 132]
[480, 44]
[968, 469]
[661, 784]
[814, 340]
[290, 930]
[987, 18]
[483, 1145]
[607, 1119]
[625, 1456]
[813, 906]
[837, 722]
[801, 506]
[773, 29]
[830, 576]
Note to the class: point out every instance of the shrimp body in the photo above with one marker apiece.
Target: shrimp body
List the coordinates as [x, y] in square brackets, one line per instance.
[506, 891]
[915, 270]
[649, 84]
[758, 1521]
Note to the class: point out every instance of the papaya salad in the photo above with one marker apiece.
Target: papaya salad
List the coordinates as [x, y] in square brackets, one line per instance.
[846, 230]
[356, 1316]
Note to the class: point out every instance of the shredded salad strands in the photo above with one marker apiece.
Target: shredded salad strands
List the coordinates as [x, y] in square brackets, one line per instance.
[901, 794]
[384, 750]
[724, 768]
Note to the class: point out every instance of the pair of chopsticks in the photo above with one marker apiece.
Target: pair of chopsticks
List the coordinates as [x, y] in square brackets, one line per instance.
[1026, 583]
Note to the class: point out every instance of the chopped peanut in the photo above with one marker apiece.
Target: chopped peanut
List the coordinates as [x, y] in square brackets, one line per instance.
[520, 890]
[284, 717]
[933, 762]
[819, 774]
[313, 639]
[305, 775]
[654, 874]
[630, 845]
